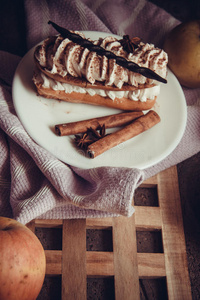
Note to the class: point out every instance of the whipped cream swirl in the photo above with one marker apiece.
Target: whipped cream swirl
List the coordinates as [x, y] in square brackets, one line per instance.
[61, 56]
[140, 94]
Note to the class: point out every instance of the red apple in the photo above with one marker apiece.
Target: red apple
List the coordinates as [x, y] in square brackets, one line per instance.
[183, 48]
[22, 262]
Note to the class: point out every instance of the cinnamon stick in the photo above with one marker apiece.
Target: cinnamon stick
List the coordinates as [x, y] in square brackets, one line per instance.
[138, 126]
[110, 121]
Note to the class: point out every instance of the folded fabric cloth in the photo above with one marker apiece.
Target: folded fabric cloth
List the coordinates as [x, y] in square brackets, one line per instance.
[34, 183]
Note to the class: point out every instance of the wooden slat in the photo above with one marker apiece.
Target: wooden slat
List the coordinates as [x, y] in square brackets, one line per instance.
[31, 226]
[53, 262]
[148, 218]
[150, 182]
[99, 223]
[125, 258]
[151, 265]
[101, 264]
[91, 223]
[178, 282]
[48, 223]
[74, 284]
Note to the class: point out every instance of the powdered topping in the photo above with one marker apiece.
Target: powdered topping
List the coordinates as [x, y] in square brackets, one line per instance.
[61, 56]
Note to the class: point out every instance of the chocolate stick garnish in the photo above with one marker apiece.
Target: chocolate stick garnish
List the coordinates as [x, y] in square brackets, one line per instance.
[138, 126]
[121, 61]
[115, 120]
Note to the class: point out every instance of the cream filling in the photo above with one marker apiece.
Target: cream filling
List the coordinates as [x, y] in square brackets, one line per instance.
[139, 94]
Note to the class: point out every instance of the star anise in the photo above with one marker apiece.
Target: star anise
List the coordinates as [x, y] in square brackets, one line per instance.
[128, 44]
[82, 141]
[90, 136]
[98, 135]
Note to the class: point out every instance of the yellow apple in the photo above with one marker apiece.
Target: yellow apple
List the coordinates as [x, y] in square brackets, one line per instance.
[22, 262]
[183, 48]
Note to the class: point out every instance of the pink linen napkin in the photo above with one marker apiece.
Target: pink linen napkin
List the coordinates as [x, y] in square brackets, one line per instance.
[34, 183]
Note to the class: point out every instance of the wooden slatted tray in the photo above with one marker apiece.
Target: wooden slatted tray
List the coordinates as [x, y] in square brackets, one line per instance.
[127, 266]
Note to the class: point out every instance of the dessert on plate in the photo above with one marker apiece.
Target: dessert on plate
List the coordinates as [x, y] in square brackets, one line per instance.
[119, 73]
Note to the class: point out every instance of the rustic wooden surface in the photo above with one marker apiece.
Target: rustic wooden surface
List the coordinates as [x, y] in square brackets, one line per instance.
[124, 263]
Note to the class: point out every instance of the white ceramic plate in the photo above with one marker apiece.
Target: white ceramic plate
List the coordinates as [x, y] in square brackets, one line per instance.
[39, 116]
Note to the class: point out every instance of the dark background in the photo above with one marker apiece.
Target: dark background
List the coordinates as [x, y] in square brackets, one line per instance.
[12, 20]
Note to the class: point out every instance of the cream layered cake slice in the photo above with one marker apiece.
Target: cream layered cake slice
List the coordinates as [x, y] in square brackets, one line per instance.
[119, 73]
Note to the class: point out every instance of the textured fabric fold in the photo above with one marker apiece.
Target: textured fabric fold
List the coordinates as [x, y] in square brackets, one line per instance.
[37, 182]
[34, 183]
